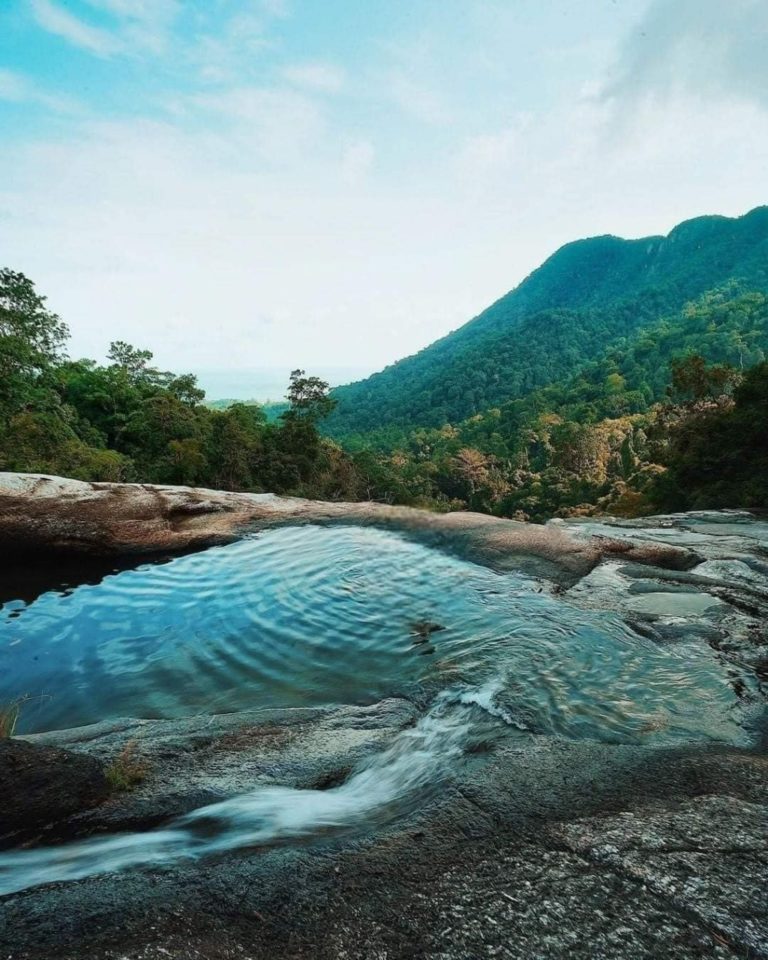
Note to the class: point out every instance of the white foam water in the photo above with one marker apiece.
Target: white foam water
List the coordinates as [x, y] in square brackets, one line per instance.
[419, 759]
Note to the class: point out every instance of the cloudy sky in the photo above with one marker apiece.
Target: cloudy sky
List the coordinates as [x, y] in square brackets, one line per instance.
[243, 184]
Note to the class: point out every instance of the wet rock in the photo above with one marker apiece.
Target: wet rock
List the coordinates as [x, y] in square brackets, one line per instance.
[553, 848]
[196, 761]
[670, 603]
[424, 628]
[722, 600]
[40, 784]
[42, 515]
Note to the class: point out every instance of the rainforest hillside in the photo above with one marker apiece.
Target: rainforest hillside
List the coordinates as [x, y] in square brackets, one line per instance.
[128, 420]
[617, 436]
[623, 376]
[587, 297]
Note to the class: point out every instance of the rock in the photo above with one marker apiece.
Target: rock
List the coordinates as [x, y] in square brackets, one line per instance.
[673, 604]
[41, 784]
[552, 848]
[42, 515]
[195, 761]
[422, 630]
[709, 856]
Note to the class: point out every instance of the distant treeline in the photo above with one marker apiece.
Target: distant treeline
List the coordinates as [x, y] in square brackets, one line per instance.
[672, 416]
[127, 420]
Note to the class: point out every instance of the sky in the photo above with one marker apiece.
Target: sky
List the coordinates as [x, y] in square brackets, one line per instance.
[245, 185]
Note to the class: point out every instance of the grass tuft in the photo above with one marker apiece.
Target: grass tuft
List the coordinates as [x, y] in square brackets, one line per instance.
[9, 717]
[11, 711]
[127, 770]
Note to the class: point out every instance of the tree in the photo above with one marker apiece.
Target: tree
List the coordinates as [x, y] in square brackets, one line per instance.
[185, 388]
[128, 358]
[25, 319]
[31, 340]
[719, 457]
[308, 397]
[133, 365]
[472, 466]
[693, 379]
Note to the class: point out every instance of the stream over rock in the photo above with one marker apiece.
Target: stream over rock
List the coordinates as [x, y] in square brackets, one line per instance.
[311, 685]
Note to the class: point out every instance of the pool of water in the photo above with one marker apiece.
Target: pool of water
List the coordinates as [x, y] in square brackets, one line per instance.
[313, 615]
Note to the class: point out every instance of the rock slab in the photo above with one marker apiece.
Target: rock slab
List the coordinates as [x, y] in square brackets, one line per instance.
[41, 784]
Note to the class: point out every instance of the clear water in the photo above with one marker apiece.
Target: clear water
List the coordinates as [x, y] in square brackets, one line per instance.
[312, 615]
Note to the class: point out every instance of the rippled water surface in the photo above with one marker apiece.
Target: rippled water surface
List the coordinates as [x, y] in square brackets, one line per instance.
[311, 615]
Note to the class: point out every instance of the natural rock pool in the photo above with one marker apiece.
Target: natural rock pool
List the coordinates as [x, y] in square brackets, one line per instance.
[311, 615]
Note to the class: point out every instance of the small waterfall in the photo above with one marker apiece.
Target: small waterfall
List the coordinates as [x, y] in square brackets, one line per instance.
[313, 616]
[418, 760]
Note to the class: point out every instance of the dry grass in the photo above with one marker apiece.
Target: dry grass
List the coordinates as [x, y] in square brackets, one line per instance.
[127, 770]
[9, 717]
[11, 711]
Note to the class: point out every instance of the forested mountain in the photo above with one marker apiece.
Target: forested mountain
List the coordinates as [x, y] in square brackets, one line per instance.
[586, 297]
[605, 438]
[621, 377]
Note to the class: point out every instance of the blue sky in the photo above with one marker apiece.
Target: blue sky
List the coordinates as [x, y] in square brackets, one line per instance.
[270, 183]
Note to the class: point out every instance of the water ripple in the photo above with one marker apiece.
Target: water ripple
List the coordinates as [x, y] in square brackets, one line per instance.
[311, 615]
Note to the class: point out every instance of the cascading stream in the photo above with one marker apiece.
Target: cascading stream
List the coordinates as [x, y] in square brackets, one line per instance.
[314, 616]
[418, 760]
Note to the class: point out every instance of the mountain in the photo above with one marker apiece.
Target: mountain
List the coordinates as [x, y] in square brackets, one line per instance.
[587, 296]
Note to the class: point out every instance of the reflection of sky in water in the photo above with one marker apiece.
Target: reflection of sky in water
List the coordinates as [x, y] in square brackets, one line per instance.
[309, 615]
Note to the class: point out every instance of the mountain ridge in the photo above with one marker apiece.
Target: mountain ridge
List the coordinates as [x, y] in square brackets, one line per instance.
[585, 295]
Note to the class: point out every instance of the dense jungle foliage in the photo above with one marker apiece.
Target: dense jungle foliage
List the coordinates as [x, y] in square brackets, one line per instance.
[617, 403]
[128, 420]
[587, 297]
[602, 439]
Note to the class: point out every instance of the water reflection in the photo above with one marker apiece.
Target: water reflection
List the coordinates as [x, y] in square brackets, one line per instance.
[311, 615]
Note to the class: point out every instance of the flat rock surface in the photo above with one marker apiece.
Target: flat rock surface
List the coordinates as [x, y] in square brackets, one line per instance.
[198, 761]
[40, 515]
[546, 848]
[27, 773]
[529, 846]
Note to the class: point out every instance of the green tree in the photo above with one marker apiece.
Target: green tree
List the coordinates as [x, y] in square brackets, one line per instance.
[32, 341]
[694, 379]
[719, 457]
[308, 397]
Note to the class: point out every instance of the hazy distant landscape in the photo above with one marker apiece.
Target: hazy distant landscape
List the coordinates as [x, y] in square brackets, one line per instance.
[267, 384]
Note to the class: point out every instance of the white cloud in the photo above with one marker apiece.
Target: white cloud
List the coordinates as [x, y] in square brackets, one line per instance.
[488, 152]
[17, 88]
[56, 20]
[275, 8]
[13, 86]
[226, 50]
[144, 24]
[700, 48]
[186, 248]
[322, 77]
[418, 99]
[273, 124]
[356, 161]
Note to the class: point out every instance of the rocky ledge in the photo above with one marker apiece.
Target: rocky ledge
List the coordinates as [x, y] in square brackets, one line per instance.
[539, 848]
[533, 846]
[41, 516]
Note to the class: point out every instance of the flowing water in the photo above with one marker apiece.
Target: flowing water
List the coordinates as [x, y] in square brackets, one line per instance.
[312, 615]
